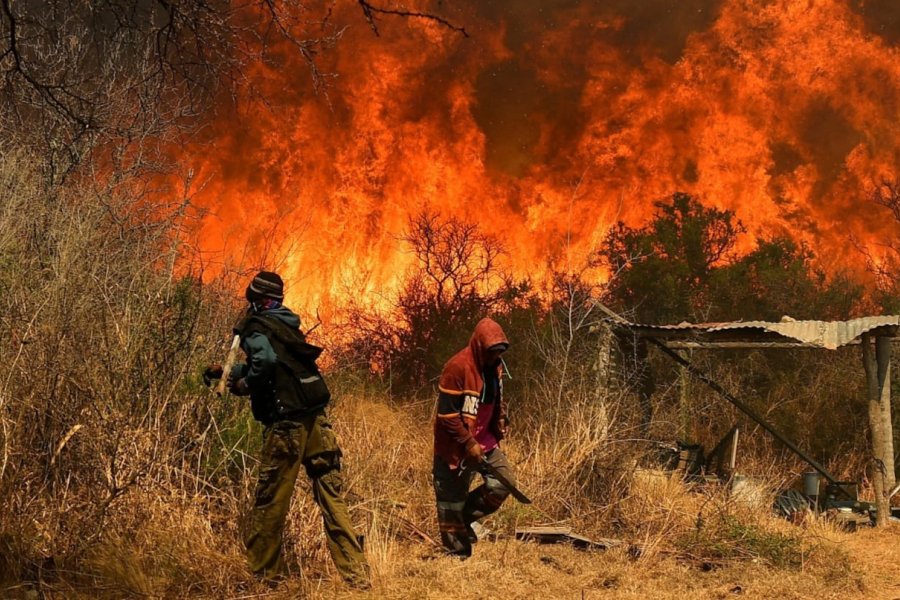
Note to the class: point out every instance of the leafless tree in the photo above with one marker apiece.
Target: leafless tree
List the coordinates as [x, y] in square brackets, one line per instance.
[371, 12]
[78, 74]
[887, 194]
[885, 267]
[457, 279]
[457, 261]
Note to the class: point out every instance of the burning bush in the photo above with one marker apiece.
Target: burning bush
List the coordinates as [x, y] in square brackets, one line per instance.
[457, 279]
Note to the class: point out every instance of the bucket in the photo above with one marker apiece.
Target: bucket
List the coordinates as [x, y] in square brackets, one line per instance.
[811, 484]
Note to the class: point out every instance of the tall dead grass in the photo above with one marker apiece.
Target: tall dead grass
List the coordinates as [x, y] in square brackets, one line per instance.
[167, 540]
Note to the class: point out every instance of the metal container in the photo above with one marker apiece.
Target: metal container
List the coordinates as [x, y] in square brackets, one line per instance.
[811, 484]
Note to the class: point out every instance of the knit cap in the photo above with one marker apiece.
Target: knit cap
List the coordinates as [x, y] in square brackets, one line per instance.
[266, 284]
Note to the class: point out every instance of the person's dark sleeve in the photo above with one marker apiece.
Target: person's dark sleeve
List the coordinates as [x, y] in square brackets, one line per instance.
[261, 360]
[239, 370]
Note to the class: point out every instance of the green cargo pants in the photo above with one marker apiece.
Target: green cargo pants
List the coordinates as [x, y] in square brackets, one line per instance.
[286, 445]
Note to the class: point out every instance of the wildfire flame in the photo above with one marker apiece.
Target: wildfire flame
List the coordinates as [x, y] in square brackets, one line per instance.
[556, 119]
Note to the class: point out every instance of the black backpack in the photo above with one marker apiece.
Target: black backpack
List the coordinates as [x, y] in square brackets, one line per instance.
[297, 387]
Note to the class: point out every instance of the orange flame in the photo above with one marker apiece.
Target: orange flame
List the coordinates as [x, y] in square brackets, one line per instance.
[553, 121]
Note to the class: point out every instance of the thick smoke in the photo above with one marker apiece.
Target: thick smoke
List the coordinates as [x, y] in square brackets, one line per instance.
[882, 18]
[542, 82]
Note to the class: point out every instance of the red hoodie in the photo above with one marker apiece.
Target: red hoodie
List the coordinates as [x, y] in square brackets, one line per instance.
[460, 391]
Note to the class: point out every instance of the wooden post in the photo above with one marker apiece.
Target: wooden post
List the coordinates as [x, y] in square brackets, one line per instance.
[684, 406]
[606, 383]
[895, 426]
[646, 386]
[876, 428]
[883, 358]
[637, 375]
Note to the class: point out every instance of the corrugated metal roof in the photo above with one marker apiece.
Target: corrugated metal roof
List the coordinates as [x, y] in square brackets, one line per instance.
[825, 334]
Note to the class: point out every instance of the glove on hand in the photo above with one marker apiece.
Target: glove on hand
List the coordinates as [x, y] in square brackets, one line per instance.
[239, 387]
[212, 372]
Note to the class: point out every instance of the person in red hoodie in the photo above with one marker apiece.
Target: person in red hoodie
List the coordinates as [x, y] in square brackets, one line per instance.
[471, 421]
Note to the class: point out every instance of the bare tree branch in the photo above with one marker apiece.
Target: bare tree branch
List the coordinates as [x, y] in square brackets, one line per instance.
[76, 77]
[370, 11]
[887, 194]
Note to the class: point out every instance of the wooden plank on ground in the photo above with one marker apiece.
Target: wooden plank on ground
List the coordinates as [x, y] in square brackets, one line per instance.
[559, 535]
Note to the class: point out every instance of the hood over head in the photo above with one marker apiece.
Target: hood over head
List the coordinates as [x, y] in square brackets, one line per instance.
[285, 315]
[487, 333]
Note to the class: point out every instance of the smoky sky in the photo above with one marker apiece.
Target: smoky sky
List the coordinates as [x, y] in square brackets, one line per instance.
[828, 138]
[881, 17]
[512, 97]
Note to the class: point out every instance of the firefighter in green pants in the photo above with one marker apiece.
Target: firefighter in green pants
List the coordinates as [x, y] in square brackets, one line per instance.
[288, 396]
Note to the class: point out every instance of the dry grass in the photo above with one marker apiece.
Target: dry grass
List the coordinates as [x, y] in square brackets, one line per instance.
[163, 542]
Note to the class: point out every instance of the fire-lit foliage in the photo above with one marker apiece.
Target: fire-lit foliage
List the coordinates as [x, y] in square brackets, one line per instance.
[457, 278]
[684, 265]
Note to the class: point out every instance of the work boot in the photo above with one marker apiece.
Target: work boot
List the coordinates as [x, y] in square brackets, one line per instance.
[470, 532]
[360, 581]
[358, 584]
[476, 530]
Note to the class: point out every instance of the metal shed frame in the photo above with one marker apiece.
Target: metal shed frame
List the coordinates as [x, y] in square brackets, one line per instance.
[874, 335]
